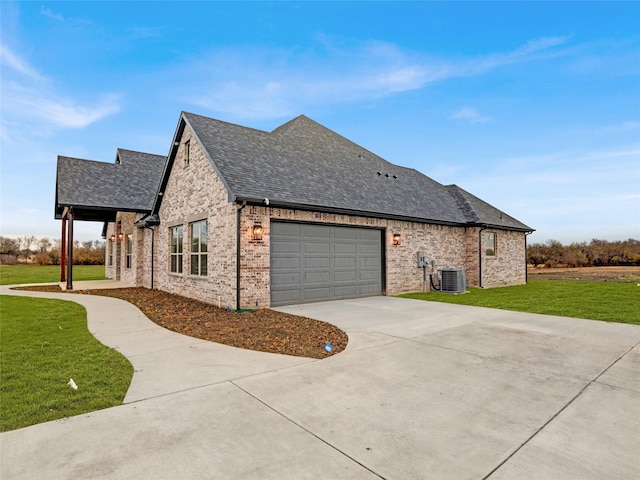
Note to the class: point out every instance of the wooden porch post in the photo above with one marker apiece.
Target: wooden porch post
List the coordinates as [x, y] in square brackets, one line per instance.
[63, 249]
[70, 252]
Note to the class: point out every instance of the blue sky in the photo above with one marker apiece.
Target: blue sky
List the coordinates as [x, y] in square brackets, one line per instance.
[533, 107]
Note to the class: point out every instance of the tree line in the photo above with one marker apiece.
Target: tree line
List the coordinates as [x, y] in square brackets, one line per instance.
[44, 251]
[596, 253]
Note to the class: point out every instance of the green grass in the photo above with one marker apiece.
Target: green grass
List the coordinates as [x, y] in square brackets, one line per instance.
[16, 274]
[608, 301]
[45, 343]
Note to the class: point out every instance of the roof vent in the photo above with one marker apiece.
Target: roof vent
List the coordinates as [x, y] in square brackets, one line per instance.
[379, 173]
[453, 280]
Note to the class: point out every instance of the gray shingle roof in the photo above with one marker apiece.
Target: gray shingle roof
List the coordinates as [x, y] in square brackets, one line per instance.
[304, 164]
[94, 188]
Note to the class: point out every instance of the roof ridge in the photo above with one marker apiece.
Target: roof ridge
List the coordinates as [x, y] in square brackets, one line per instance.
[223, 122]
[101, 162]
[120, 149]
[288, 124]
[286, 127]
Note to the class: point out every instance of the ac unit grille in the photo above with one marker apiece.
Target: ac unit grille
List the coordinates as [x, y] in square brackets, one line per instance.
[453, 280]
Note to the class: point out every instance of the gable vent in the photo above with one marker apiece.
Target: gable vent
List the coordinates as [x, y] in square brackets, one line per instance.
[453, 280]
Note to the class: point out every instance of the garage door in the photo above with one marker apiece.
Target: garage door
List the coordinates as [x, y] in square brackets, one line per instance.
[313, 263]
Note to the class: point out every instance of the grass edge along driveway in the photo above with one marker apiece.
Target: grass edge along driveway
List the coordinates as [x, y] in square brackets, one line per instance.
[607, 301]
[45, 343]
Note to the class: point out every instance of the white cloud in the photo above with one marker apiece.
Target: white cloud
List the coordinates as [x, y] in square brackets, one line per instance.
[533, 46]
[11, 60]
[240, 83]
[28, 96]
[470, 114]
[621, 127]
[68, 113]
[48, 13]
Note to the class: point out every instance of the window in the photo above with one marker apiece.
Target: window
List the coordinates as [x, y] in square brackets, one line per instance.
[187, 153]
[177, 234]
[490, 245]
[198, 233]
[128, 250]
[110, 252]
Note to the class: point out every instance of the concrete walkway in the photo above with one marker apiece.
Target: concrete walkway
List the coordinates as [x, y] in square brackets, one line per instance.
[424, 390]
[95, 284]
[164, 362]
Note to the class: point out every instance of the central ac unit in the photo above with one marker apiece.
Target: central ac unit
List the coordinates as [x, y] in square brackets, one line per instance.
[453, 280]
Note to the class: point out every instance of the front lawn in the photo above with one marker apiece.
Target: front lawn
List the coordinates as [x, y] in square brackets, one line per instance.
[17, 274]
[44, 344]
[611, 302]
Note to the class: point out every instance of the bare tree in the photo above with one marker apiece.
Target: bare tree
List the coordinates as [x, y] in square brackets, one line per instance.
[28, 241]
[44, 245]
[9, 250]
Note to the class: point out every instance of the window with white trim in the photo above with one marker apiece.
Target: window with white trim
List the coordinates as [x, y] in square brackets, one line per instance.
[110, 252]
[198, 236]
[177, 246]
[128, 249]
[490, 245]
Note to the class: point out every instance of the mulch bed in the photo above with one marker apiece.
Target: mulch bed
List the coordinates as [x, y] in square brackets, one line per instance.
[264, 330]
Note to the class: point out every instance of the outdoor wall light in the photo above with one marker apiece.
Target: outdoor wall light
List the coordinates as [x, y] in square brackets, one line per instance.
[257, 232]
[396, 239]
[112, 238]
[120, 236]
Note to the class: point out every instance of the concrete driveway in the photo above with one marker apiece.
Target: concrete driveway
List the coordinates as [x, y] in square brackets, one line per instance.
[424, 390]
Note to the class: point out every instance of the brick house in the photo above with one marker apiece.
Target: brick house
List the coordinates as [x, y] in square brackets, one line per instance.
[242, 217]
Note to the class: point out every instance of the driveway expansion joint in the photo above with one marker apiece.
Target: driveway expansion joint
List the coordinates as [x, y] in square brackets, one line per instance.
[554, 416]
[290, 420]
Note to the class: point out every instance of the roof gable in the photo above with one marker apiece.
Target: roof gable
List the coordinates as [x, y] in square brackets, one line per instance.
[95, 188]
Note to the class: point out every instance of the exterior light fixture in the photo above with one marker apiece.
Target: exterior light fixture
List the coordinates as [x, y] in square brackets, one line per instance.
[396, 239]
[112, 238]
[257, 232]
[120, 236]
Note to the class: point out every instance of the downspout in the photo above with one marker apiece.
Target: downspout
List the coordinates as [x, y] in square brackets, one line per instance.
[244, 204]
[153, 236]
[480, 256]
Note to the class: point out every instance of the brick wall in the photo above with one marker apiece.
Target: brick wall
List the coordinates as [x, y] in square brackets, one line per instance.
[140, 272]
[507, 267]
[195, 192]
[447, 246]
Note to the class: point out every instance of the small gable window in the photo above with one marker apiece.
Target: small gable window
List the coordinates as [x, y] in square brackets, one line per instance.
[490, 245]
[176, 249]
[187, 153]
[198, 235]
